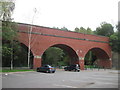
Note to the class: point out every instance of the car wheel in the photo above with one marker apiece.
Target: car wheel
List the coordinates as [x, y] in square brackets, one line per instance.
[53, 71]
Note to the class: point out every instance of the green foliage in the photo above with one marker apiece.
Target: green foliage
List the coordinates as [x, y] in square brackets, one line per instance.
[8, 27]
[105, 29]
[6, 55]
[6, 51]
[83, 30]
[9, 34]
[16, 70]
[90, 58]
[92, 66]
[66, 60]
[89, 31]
[19, 53]
[76, 29]
[64, 29]
[55, 56]
[115, 42]
[6, 10]
[55, 27]
[52, 56]
[11, 50]
[9, 31]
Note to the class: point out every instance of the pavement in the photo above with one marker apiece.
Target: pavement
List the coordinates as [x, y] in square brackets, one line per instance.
[61, 79]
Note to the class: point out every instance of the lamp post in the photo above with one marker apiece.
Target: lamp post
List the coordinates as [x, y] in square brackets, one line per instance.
[29, 37]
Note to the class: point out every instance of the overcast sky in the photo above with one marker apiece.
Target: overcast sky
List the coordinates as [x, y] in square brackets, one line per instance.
[68, 13]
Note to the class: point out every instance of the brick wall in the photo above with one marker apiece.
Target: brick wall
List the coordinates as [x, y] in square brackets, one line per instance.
[42, 38]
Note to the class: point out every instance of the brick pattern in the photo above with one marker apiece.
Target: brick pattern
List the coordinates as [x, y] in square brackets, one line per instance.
[39, 43]
[104, 63]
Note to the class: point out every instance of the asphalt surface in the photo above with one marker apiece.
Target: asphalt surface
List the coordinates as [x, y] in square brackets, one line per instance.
[61, 79]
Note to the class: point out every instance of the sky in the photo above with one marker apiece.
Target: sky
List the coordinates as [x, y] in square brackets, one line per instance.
[66, 13]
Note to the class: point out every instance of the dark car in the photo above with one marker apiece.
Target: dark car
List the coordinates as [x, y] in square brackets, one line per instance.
[75, 67]
[46, 68]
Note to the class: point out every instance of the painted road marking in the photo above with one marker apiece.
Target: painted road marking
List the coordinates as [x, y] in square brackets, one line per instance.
[14, 74]
[65, 86]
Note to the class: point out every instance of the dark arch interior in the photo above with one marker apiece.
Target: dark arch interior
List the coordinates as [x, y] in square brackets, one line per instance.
[101, 54]
[22, 60]
[31, 55]
[95, 54]
[18, 56]
[68, 51]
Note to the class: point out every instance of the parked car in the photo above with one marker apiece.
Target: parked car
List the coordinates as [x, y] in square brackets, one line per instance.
[75, 67]
[47, 69]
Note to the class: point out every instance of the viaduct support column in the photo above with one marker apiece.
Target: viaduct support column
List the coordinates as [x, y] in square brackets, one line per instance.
[37, 61]
[81, 62]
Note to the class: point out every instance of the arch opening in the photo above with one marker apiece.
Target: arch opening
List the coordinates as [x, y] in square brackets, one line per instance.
[22, 60]
[97, 57]
[59, 55]
[17, 56]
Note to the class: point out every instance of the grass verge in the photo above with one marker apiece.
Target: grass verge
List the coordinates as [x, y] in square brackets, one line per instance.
[16, 70]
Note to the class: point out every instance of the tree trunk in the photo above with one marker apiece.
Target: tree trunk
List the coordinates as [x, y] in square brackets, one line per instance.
[11, 55]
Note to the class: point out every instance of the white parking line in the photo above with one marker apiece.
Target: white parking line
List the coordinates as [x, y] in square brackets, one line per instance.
[14, 74]
[49, 74]
[65, 86]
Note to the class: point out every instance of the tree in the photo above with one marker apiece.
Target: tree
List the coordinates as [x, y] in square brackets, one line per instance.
[115, 39]
[8, 28]
[89, 31]
[77, 29]
[64, 29]
[6, 10]
[82, 30]
[9, 32]
[55, 27]
[105, 29]
[52, 56]
[56, 57]
[115, 42]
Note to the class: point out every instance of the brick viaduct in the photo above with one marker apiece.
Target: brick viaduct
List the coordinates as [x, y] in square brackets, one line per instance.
[75, 44]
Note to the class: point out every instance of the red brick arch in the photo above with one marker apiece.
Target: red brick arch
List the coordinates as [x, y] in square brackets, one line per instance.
[43, 37]
[69, 50]
[98, 50]
[103, 57]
